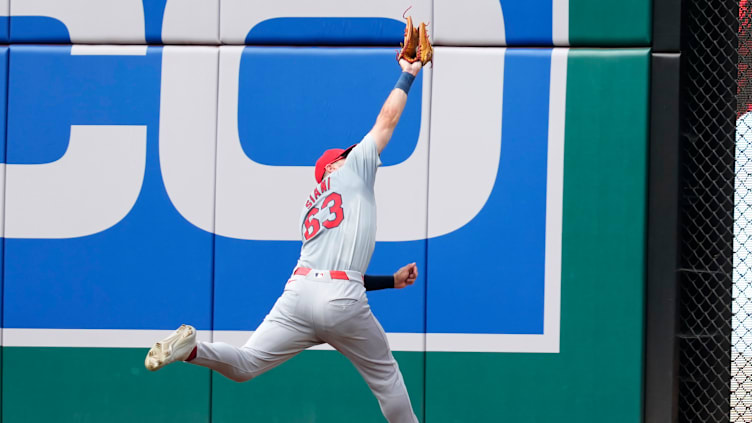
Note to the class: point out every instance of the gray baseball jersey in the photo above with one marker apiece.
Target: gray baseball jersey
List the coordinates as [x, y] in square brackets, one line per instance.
[338, 221]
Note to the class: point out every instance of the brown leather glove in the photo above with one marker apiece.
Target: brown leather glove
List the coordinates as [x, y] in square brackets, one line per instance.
[409, 50]
[425, 49]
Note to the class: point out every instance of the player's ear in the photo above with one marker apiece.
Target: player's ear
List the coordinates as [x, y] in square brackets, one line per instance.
[327, 170]
[331, 167]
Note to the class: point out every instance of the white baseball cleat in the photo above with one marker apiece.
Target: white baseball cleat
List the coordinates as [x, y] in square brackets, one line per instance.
[176, 347]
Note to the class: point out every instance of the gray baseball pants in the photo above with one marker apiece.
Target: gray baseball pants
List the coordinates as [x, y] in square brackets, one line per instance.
[316, 309]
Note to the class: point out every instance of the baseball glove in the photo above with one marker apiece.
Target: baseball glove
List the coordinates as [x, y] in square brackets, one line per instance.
[425, 50]
[409, 50]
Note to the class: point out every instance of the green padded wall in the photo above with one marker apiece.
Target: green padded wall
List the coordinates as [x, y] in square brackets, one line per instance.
[605, 23]
[67, 385]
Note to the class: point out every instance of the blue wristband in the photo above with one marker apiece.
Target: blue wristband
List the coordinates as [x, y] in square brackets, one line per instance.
[404, 82]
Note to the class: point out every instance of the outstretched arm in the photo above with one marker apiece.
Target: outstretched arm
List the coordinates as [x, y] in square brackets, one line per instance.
[392, 108]
[403, 277]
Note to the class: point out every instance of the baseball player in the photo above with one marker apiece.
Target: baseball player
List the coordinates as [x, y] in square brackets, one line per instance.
[324, 300]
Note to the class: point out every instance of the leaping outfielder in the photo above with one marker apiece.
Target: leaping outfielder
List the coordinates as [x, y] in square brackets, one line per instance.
[324, 300]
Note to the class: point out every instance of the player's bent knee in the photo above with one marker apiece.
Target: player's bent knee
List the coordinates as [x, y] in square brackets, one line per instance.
[236, 375]
[240, 377]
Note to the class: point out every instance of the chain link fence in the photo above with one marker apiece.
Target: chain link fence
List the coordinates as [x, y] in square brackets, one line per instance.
[715, 288]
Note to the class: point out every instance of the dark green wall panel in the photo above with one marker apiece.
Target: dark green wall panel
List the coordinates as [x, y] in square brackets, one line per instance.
[99, 385]
[610, 23]
[315, 386]
[111, 385]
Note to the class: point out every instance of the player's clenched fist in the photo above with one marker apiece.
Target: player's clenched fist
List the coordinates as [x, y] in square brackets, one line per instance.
[406, 275]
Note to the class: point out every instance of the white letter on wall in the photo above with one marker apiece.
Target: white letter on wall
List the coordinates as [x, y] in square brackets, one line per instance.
[91, 188]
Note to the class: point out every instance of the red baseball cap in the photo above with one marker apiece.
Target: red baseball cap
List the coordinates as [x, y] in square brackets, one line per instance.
[330, 156]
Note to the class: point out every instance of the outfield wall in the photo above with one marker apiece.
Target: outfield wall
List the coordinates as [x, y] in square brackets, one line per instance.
[157, 154]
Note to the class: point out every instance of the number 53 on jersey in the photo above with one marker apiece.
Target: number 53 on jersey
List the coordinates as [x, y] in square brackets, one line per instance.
[332, 204]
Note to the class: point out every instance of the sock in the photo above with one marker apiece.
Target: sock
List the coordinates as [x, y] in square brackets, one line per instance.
[193, 353]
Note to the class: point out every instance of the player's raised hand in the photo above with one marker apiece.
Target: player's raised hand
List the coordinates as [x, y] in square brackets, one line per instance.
[406, 276]
[412, 68]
